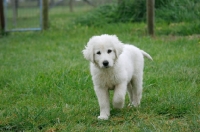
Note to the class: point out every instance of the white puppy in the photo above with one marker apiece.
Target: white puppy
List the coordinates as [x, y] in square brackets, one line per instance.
[115, 66]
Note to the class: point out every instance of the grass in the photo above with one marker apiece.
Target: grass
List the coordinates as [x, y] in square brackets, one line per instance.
[45, 84]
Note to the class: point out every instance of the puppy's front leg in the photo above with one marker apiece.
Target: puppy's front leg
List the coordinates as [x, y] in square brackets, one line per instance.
[103, 99]
[119, 95]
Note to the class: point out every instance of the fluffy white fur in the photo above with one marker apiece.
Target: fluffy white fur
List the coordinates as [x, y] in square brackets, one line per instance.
[115, 66]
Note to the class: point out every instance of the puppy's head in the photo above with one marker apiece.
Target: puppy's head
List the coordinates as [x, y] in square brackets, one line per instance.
[103, 50]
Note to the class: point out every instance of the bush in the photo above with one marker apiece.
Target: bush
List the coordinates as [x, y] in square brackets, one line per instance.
[178, 11]
[135, 11]
[100, 16]
[132, 10]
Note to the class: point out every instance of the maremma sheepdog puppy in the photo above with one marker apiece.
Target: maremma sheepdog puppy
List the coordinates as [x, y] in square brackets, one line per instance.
[115, 66]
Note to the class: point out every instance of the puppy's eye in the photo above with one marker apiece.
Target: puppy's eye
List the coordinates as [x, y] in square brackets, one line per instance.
[109, 51]
[98, 52]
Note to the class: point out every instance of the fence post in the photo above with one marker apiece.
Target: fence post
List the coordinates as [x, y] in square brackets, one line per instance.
[45, 5]
[150, 17]
[2, 21]
[71, 5]
[15, 11]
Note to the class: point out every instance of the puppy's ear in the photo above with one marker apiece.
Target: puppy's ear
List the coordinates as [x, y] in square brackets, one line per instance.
[88, 53]
[118, 46]
[118, 49]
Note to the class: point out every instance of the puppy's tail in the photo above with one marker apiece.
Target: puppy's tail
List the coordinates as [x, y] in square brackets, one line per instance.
[146, 55]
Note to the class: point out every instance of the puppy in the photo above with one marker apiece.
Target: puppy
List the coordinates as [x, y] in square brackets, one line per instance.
[115, 66]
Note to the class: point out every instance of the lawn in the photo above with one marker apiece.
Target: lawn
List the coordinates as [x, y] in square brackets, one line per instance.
[45, 83]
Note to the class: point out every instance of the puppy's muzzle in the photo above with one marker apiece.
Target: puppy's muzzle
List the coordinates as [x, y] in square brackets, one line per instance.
[105, 63]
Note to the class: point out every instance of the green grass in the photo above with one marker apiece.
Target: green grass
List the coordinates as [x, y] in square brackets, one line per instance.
[45, 84]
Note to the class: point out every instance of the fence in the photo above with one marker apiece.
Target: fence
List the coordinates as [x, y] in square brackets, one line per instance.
[22, 15]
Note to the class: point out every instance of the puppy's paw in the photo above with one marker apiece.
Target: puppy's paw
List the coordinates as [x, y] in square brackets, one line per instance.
[130, 105]
[103, 117]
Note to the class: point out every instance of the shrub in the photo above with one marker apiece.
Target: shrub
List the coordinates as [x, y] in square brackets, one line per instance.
[178, 11]
[135, 11]
[132, 10]
[99, 16]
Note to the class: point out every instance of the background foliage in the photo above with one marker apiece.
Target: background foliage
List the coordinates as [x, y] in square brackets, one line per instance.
[135, 11]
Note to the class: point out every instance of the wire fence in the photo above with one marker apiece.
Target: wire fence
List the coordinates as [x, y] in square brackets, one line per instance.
[27, 14]
[22, 15]
[72, 5]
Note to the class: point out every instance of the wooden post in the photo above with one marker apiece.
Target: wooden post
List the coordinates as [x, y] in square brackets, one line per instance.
[150, 17]
[71, 5]
[45, 5]
[2, 20]
[14, 9]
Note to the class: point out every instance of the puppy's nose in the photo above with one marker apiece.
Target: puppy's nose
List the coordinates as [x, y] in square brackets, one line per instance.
[105, 63]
